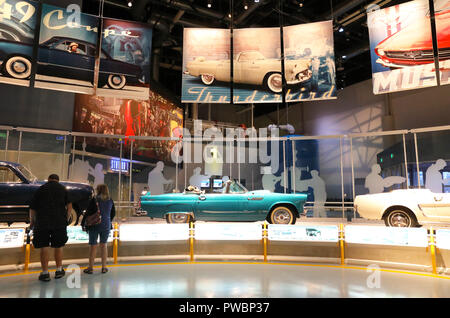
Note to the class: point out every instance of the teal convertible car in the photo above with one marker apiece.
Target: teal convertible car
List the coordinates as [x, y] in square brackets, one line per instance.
[220, 200]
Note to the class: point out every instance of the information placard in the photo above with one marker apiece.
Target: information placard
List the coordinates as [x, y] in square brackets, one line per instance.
[78, 236]
[228, 231]
[386, 235]
[153, 232]
[12, 237]
[443, 239]
[317, 233]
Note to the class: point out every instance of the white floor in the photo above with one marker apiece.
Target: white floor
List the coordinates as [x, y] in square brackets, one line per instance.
[217, 280]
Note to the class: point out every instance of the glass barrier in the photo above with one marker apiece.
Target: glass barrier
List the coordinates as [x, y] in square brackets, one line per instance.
[44, 154]
[433, 161]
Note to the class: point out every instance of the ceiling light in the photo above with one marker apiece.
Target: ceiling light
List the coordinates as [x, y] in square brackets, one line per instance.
[130, 3]
[341, 29]
[256, 0]
[209, 5]
[229, 15]
[245, 7]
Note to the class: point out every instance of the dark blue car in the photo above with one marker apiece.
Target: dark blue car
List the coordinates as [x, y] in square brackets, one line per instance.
[56, 57]
[17, 187]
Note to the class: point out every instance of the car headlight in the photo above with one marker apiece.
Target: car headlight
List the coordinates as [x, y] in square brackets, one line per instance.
[381, 52]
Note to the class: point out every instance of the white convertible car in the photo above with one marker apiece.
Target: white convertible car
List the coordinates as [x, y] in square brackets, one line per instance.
[251, 67]
[405, 208]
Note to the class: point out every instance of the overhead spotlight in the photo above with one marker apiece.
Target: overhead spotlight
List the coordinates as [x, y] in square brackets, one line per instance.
[229, 15]
[209, 4]
[256, 1]
[300, 4]
[130, 4]
[341, 29]
[245, 7]
[344, 56]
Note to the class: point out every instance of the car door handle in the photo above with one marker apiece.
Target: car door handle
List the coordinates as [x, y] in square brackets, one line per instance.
[438, 199]
[202, 198]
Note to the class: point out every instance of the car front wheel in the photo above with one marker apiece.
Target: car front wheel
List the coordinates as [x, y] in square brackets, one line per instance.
[207, 79]
[18, 67]
[178, 218]
[399, 217]
[116, 81]
[282, 215]
[274, 83]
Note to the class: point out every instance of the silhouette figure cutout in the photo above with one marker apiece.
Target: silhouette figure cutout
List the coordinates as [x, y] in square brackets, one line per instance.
[319, 190]
[376, 184]
[197, 178]
[433, 176]
[156, 179]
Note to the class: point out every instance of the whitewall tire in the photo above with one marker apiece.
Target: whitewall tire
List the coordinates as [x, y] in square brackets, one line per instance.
[18, 67]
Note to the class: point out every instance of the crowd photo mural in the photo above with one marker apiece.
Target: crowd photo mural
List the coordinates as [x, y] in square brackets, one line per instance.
[155, 116]
[68, 47]
[309, 67]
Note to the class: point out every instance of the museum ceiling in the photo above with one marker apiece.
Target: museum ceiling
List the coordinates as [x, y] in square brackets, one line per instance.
[169, 17]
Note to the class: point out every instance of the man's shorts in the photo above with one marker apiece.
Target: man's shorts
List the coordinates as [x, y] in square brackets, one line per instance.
[50, 237]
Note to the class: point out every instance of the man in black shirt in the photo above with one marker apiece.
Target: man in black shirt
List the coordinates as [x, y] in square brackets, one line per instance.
[49, 211]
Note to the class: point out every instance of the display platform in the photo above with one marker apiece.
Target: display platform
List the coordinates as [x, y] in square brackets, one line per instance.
[417, 249]
[237, 280]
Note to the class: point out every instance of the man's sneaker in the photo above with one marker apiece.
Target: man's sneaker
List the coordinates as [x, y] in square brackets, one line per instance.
[44, 277]
[59, 274]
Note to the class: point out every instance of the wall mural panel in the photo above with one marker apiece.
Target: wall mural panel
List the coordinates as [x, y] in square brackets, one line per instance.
[17, 34]
[125, 59]
[442, 20]
[401, 47]
[67, 51]
[257, 65]
[155, 116]
[309, 62]
[206, 66]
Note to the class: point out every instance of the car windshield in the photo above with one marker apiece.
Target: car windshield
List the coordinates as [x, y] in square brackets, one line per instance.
[236, 187]
[251, 56]
[27, 174]
[441, 5]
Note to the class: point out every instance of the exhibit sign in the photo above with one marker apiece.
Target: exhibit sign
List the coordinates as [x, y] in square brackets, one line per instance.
[153, 232]
[305, 233]
[206, 66]
[257, 66]
[67, 50]
[125, 59]
[401, 47]
[228, 231]
[442, 21]
[381, 235]
[12, 237]
[443, 239]
[309, 62]
[76, 235]
[17, 34]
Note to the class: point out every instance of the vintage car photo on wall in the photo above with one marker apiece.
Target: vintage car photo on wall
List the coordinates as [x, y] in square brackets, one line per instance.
[311, 42]
[206, 66]
[401, 47]
[67, 51]
[128, 46]
[17, 32]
